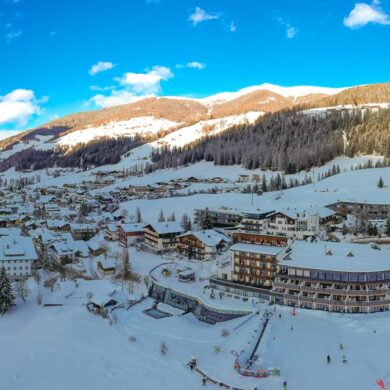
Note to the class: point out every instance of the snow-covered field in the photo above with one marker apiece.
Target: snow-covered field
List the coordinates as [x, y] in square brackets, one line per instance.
[359, 185]
[141, 125]
[67, 347]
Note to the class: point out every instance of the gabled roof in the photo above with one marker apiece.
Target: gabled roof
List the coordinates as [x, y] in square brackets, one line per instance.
[132, 227]
[166, 227]
[209, 237]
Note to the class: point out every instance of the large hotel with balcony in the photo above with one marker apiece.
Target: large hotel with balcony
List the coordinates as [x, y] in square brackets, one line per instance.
[339, 277]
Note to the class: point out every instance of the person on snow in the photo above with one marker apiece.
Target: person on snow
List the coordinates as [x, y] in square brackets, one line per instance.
[341, 347]
[291, 327]
[328, 359]
[284, 385]
[204, 380]
[345, 361]
[280, 316]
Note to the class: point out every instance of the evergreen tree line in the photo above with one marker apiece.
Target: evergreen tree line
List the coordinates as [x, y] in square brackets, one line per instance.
[288, 141]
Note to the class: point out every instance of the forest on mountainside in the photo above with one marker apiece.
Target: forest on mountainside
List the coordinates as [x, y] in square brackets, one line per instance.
[99, 152]
[288, 141]
[364, 94]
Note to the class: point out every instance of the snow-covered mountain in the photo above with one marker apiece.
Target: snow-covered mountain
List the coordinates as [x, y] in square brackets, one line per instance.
[287, 92]
[160, 120]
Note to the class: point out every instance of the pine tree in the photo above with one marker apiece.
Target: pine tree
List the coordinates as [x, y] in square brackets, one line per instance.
[381, 183]
[161, 217]
[264, 184]
[138, 217]
[7, 297]
[207, 222]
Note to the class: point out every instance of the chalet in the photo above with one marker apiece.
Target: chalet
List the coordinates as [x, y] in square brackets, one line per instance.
[292, 224]
[243, 178]
[58, 225]
[161, 236]
[255, 221]
[83, 231]
[111, 232]
[96, 248]
[222, 217]
[62, 252]
[361, 210]
[130, 233]
[17, 254]
[202, 245]
[106, 267]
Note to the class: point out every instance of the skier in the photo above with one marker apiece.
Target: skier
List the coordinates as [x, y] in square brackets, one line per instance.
[204, 380]
[280, 316]
[285, 385]
[341, 347]
[328, 359]
[291, 327]
[345, 361]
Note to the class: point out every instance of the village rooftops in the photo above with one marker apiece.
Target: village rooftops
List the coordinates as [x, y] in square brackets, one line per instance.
[342, 257]
[257, 249]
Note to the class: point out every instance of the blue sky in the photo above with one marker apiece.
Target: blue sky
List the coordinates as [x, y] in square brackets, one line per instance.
[61, 56]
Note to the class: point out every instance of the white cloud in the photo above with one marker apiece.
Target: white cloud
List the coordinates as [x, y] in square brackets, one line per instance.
[192, 65]
[100, 66]
[363, 14]
[200, 15]
[135, 86]
[98, 88]
[148, 83]
[18, 106]
[116, 98]
[290, 32]
[11, 35]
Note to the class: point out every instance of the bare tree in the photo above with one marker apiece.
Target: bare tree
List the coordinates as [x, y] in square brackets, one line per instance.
[21, 289]
[50, 283]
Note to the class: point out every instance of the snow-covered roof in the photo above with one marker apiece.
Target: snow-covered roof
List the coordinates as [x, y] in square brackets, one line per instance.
[107, 264]
[343, 257]
[209, 237]
[83, 226]
[17, 248]
[166, 227]
[258, 249]
[132, 227]
[10, 232]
